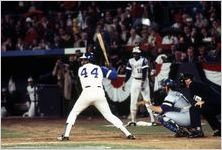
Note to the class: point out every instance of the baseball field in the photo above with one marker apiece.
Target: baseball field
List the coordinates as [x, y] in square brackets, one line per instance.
[94, 133]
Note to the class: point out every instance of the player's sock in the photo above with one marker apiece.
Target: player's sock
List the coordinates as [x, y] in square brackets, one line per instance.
[124, 130]
[68, 128]
[151, 114]
[133, 116]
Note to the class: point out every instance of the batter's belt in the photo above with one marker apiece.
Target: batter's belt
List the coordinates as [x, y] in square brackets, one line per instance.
[88, 86]
[138, 78]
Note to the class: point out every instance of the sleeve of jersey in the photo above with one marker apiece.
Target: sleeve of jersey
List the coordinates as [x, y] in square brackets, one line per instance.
[109, 73]
[144, 68]
[128, 71]
[167, 105]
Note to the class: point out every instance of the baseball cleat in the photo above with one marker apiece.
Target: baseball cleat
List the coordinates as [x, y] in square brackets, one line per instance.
[62, 138]
[131, 137]
[217, 133]
[196, 134]
[182, 134]
[131, 123]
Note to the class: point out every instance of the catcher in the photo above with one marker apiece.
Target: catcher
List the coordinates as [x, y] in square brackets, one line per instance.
[174, 111]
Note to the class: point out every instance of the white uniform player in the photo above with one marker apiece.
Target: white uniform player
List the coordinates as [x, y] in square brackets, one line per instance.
[91, 77]
[137, 68]
[32, 92]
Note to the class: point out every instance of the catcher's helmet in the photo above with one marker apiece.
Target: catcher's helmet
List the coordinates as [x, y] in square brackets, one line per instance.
[168, 82]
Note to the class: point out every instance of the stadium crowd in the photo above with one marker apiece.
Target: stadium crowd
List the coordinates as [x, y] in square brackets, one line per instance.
[191, 34]
[181, 31]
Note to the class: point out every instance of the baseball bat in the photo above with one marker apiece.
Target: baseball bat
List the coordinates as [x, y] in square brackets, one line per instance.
[102, 45]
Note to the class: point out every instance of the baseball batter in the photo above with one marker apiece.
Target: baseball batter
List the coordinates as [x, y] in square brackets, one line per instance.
[91, 77]
[174, 111]
[137, 67]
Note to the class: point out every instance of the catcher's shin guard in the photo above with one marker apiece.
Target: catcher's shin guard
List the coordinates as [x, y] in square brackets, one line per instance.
[169, 124]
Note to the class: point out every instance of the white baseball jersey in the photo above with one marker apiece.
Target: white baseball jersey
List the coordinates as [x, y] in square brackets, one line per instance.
[136, 66]
[31, 91]
[138, 74]
[91, 77]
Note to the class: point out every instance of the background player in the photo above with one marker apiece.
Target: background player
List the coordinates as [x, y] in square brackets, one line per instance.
[137, 67]
[91, 77]
[33, 98]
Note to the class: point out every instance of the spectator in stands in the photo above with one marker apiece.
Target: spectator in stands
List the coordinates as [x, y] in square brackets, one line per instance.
[31, 35]
[124, 34]
[187, 36]
[154, 38]
[20, 45]
[7, 45]
[200, 21]
[168, 38]
[77, 39]
[66, 38]
[144, 35]
[134, 38]
[217, 27]
[84, 41]
[202, 56]
[44, 44]
[191, 57]
[177, 57]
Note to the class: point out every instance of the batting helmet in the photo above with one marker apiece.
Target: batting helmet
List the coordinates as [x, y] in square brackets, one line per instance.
[30, 79]
[89, 56]
[136, 50]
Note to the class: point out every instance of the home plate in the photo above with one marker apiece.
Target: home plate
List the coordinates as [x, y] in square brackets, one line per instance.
[139, 124]
[143, 123]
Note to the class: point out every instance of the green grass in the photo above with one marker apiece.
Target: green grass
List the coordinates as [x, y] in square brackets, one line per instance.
[84, 145]
[12, 134]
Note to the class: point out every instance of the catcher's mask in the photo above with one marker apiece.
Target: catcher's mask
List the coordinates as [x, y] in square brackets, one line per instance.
[183, 77]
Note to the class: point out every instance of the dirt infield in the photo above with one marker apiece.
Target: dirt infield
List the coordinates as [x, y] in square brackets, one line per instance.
[93, 133]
